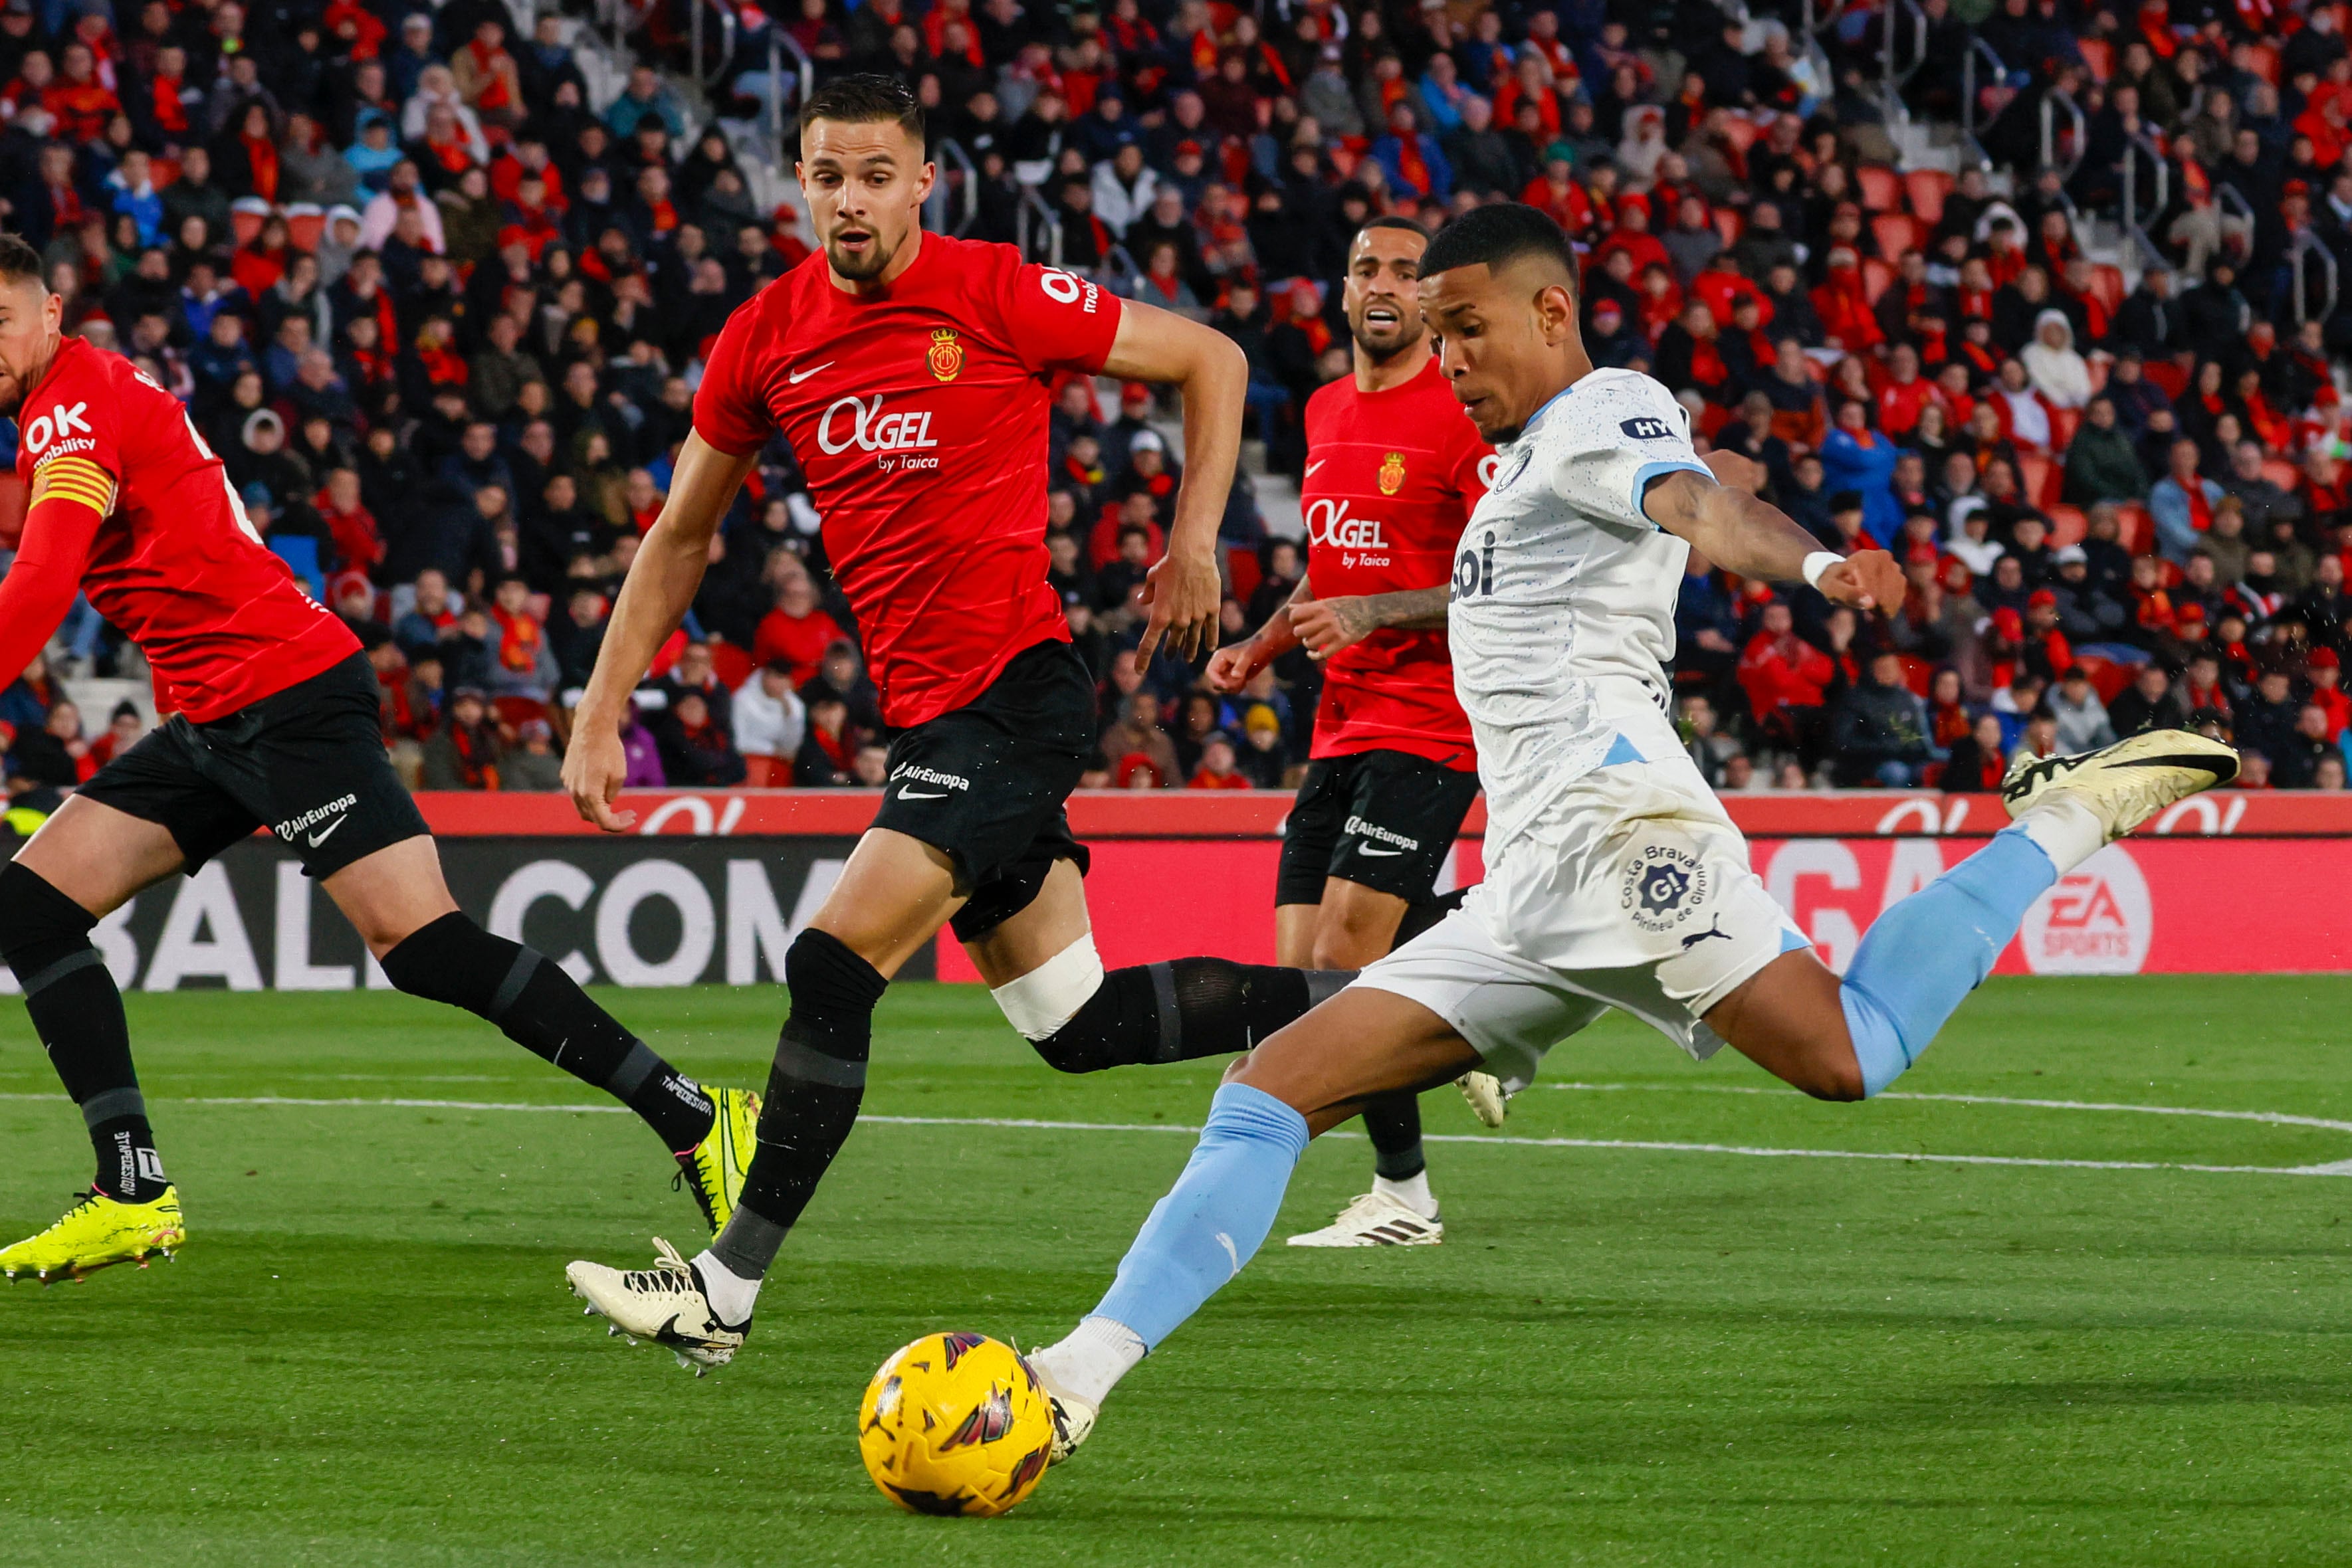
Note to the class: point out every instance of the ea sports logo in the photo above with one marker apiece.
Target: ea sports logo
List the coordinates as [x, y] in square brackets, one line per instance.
[2097, 920]
[59, 420]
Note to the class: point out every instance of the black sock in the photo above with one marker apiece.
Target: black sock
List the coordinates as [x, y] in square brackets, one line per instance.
[1184, 1009]
[1393, 1124]
[77, 1013]
[813, 1093]
[543, 1010]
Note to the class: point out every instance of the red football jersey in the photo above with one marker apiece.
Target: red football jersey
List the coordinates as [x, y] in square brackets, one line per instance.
[920, 417]
[176, 565]
[1390, 478]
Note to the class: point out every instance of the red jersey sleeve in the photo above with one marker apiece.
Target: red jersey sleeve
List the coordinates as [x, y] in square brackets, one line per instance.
[1473, 464]
[730, 408]
[1055, 320]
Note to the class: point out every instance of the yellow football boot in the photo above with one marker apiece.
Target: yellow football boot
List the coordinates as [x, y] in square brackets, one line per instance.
[96, 1232]
[713, 1169]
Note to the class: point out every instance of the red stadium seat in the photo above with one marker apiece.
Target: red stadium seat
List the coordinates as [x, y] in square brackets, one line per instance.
[2067, 524]
[767, 772]
[1918, 673]
[2282, 473]
[1740, 131]
[1242, 567]
[2100, 56]
[1875, 276]
[2107, 285]
[2096, 363]
[306, 225]
[2063, 423]
[516, 712]
[245, 216]
[2169, 377]
[2139, 532]
[730, 664]
[2036, 477]
[1881, 188]
[2109, 679]
[1729, 223]
[1895, 233]
[2264, 59]
[1927, 188]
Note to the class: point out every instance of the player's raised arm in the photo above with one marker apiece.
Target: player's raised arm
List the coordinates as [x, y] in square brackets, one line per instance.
[1724, 519]
[653, 600]
[1184, 590]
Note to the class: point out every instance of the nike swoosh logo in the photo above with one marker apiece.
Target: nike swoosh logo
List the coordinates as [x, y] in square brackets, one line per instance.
[922, 794]
[321, 836]
[797, 377]
[1318, 463]
[1368, 849]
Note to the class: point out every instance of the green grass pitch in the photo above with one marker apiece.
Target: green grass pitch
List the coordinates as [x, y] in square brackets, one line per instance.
[1622, 1354]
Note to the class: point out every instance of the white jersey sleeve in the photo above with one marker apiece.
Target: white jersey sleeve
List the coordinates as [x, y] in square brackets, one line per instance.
[1620, 431]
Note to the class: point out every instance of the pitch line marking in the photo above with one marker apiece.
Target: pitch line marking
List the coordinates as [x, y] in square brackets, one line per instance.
[1653, 1146]
[2275, 1118]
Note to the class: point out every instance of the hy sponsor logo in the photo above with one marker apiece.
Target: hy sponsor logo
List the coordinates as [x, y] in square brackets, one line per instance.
[907, 775]
[1646, 429]
[288, 829]
[1375, 836]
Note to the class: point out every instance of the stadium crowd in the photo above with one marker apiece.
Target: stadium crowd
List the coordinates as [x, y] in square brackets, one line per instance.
[442, 316]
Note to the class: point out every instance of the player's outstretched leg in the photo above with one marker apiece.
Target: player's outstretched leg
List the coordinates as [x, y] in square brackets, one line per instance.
[1399, 1210]
[1921, 957]
[398, 900]
[130, 1209]
[1307, 1080]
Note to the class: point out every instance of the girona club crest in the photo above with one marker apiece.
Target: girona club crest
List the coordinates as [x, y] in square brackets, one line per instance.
[946, 358]
[1392, 474]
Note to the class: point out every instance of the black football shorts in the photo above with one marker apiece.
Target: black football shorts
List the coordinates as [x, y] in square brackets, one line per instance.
[308, 763]
[1384, 820]
[986, 783]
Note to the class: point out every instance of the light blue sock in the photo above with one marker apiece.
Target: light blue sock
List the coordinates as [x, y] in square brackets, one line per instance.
[1214, 1219]
[1921, 958]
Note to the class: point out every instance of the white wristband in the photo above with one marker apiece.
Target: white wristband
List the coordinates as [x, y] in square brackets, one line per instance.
[1819, 561]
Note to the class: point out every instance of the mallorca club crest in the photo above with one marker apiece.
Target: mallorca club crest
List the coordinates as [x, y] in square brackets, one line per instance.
[1392, 474]
[946, 358]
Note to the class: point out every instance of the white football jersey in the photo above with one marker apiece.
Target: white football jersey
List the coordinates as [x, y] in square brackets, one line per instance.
[1562, 614]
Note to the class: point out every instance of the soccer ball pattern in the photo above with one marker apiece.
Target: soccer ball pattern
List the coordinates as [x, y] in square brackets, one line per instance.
[955, 1423]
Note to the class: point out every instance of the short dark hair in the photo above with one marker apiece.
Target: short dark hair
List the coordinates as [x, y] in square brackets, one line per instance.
[866, 98]
[1406, 223]
[1494, 236]
[18, 260]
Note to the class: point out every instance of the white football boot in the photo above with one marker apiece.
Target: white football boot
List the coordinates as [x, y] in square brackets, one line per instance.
[663, 1304]
[2124, 784]
[1074, 1419]
[1376, 1219]
[1489, 1100]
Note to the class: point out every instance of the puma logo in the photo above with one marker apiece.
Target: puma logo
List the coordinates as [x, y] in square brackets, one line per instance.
[1714, 928]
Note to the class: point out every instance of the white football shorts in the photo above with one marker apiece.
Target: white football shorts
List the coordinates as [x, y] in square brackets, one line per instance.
[1631, 891]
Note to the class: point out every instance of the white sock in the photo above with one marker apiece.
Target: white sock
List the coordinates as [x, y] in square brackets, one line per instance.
[731, 1296]
[1413, 1192]
[1090, 1361]
[2065, 830]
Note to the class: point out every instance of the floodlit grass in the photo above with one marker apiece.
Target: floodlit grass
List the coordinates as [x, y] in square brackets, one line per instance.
[367, 1354]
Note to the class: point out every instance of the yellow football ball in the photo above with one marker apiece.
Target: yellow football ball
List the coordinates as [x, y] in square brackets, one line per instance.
[955, 1423]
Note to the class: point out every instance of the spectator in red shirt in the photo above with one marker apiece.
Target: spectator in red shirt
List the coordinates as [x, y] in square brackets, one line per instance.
[1785, 678]
[1217, 769]
[796, 631]
[2326, 673]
